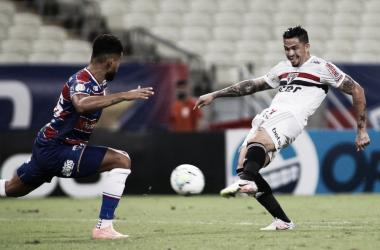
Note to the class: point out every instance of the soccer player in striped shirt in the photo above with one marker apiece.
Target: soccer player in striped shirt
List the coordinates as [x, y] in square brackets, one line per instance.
[61, 149]
[303, 82]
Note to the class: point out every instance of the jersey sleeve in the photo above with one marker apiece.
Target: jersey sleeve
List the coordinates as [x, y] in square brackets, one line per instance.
[272, 77]
[332, 75]
[79, 87]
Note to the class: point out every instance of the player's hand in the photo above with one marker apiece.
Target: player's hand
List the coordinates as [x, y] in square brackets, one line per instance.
[204, 100]
[139, 93]
[362, 140]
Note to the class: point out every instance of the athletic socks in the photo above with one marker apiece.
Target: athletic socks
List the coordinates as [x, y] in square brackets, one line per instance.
[265, 197]
[254, 160]
[2, 188]
[113, 190]
[272, 206]
[102, 223]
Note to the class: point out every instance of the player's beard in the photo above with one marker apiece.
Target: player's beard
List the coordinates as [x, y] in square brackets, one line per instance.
[110, 75]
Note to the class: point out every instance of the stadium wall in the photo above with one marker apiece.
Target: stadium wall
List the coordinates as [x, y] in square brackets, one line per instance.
[30, 93]
[318, 162]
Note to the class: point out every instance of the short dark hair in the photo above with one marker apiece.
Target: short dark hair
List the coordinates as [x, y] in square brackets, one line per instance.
[104, 46]
[298, 32]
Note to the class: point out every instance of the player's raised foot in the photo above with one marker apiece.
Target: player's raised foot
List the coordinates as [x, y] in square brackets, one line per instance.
[240, 186]
[107, 233]
[278, 224]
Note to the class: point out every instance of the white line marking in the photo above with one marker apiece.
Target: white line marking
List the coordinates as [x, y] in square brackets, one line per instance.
[318, 224]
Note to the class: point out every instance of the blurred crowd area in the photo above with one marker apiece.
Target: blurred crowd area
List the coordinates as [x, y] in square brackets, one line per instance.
[223, 41]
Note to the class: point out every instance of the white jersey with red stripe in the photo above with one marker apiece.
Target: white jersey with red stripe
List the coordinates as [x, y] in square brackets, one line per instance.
[302, 89]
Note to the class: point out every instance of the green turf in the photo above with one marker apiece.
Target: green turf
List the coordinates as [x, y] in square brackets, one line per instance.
[199, 222]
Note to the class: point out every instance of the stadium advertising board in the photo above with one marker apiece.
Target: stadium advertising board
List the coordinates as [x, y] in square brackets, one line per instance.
[318, 162]
[30, 93]
[154, 156]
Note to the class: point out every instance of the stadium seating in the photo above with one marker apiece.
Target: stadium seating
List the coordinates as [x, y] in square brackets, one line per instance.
[195, 33]
[364, 57]
[226, 33]
[16, 46]
[320, 6]
[12, 58]
[194, 46]
[203, 6]
[70, 58]
[42, 58]
[133, 20]
[237, 6]
[174, 6]
[168, 19]
[229, 31]
[198, 19]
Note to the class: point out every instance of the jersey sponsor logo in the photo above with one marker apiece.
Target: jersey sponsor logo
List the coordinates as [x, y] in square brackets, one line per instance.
[86, 125]
[337, 75]
[291, 77]
[316, 62]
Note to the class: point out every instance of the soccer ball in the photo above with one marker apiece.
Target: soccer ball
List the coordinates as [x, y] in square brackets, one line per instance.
[187, 180]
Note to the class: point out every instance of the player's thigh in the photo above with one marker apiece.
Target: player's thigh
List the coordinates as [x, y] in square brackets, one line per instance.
[263, 137]
[115, 159]
[16, 188]
[281, 129]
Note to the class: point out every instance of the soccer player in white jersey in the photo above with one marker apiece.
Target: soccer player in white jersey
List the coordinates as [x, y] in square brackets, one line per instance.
[61, 149]
[303, 82]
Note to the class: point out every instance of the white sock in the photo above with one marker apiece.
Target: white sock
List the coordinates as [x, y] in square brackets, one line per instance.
[102, 223]
[112, 192]
[2, 188]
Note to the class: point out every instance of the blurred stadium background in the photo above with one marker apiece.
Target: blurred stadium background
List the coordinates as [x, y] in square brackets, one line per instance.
[213, 44]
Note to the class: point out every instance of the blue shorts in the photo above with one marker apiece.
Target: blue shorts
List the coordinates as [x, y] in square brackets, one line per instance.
[51, 158]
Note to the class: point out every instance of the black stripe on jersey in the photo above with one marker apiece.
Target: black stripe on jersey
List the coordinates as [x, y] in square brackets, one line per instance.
[307, 84]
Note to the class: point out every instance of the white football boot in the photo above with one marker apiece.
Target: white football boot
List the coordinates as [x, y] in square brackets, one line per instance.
[278, 224]
[240, 186]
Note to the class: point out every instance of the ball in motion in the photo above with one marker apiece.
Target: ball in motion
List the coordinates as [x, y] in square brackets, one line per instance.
[187, 180]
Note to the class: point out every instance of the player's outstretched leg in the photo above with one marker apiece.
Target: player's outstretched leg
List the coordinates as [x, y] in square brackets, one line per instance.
[113, 190]
[265, 197]
[14, 187]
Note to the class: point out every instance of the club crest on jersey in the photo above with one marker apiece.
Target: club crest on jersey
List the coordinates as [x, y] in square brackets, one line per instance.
[291, 77]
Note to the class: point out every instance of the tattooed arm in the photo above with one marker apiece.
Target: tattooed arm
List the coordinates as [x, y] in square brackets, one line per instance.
[352, 88]
[246, 87]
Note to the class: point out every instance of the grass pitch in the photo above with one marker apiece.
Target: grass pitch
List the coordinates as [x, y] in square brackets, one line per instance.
[199, 222]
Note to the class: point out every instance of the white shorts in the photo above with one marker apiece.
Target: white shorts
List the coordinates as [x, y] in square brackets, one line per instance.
[281, 126]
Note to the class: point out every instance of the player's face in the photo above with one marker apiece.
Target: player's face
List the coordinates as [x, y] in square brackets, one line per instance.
[296, 52]
[113, 67]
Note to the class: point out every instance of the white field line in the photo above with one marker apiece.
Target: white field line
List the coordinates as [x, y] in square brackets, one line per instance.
[324, 224]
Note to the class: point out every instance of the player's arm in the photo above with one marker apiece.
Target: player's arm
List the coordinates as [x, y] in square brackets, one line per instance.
[349, 86]
[246, 87]
[84, 103]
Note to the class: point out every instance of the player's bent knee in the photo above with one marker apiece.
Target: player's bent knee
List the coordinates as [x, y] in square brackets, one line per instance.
[123, 160]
